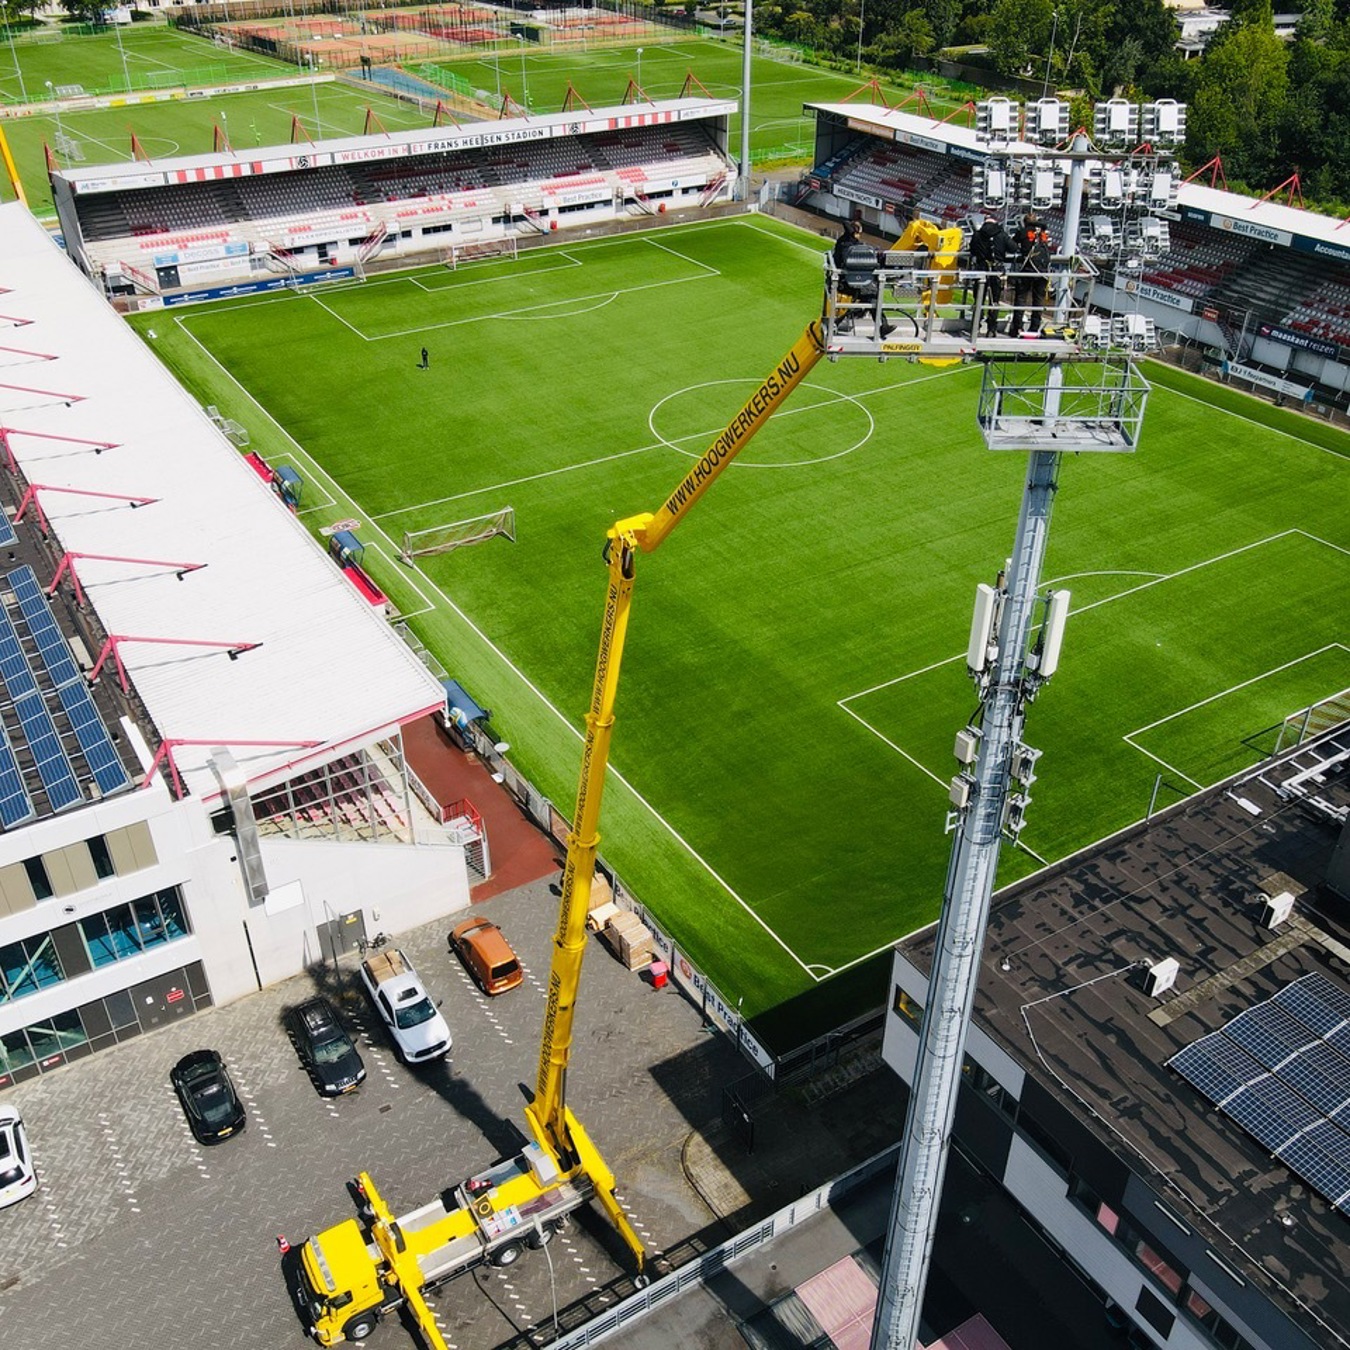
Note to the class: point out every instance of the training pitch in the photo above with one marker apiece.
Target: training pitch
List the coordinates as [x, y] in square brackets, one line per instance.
[795, 671]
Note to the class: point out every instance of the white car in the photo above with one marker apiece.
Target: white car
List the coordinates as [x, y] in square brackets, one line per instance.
[18, 1180]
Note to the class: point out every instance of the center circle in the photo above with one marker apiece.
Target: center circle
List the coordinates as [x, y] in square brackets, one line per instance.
[834, 397]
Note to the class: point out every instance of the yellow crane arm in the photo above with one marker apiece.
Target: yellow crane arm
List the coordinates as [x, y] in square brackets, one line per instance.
[553, 1124]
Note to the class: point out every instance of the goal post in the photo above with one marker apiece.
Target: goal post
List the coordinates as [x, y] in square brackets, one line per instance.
[505, 247]
[443, 538]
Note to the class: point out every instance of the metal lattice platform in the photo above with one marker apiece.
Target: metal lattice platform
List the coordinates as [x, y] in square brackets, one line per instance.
[1072, 406]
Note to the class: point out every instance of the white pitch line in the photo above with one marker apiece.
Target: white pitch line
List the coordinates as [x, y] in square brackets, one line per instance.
[530, 686]
[506, 484]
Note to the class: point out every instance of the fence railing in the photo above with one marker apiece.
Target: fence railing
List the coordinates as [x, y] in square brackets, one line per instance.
[660, 1292]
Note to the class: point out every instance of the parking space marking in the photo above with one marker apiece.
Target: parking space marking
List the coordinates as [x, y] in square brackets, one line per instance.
[513, 1294]
[251, 1101]
[484, 1005]
[530, 979]
[119, 1163]
[49, 1202]
[376, 1049]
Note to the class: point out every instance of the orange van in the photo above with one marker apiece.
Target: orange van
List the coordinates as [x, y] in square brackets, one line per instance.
[487, 955]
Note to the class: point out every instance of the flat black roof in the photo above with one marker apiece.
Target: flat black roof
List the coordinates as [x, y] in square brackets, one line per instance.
[1187, 885]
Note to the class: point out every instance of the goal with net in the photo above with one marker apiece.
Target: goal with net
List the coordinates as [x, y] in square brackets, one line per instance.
[474, 530]
[457, 254]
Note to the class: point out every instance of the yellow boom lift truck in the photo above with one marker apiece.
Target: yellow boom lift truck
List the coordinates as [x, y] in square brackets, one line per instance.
[350, 1276]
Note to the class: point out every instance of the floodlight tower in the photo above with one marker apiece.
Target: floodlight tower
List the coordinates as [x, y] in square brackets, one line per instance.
[1088, 398]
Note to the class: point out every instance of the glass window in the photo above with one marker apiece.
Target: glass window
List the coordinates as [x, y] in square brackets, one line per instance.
[14, 1052]
[122, 930]
[910, 1009]
[42, 960]
[56, 1036]
[38, 878]
[121, 1010]
[149, 926]
[27, 966]
[15, 977]
[102, 859]
[171, 907]
[98, 940]
[1152, 1261]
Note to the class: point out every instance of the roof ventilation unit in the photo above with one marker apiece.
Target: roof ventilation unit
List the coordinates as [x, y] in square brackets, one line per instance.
[1275, 909]
[1161, 976]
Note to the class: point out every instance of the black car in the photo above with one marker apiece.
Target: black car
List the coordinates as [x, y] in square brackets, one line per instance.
[211, 1104]
[326, 1050]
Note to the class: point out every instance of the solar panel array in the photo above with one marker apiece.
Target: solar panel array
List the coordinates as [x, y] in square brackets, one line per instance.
[1281, 1069]
[7, 535]
[19, 672]
[71, 689]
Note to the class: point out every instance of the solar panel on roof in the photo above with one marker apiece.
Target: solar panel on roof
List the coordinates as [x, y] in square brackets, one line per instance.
[1279, 1070]
[1317, 1003]
[93, 737]
[7, 535]
[1272, 1112]
[1322, 1155]
[15, 806]
[58, 778]
[1217, 1067]
[1321, 1073]
[1269, 1033]
[51, 642]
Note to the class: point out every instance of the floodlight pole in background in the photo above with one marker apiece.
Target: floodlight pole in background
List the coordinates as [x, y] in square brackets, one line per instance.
[1005, 688]
[18, 70]
[56, 112]
[743, 187]
[314, 89]
[524, 85]
[862, 17]
[122, 52]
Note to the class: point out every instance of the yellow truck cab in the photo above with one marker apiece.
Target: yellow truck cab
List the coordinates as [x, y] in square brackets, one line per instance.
[348, 1282]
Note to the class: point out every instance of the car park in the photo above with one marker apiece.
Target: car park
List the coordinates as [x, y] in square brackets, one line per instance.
[487, 955]
[210, 1102]
[325, 1048]
[18, 1177]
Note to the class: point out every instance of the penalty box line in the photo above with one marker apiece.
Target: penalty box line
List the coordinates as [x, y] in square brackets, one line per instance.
[1155, 579]
[1129, 736]
[706, 272]
[527, 683]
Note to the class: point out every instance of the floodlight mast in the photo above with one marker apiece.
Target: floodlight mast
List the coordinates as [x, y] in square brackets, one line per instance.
[1007, 673]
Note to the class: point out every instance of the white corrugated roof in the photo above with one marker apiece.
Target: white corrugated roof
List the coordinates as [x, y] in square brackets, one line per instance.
[329, 668]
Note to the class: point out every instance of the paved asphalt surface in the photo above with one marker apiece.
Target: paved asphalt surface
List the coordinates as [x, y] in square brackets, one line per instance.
[140, 1237]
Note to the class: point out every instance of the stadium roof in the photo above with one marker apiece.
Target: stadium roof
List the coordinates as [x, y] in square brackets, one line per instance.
[391, 145]
[1269, 221]
[329, 670]
[1061, 993]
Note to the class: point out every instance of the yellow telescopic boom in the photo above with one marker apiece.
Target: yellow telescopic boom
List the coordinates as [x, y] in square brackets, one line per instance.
[554, 1126]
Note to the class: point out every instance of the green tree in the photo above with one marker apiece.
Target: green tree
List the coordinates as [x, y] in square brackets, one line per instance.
[942, 16]
[902, 42]
[1239, 101]
[1259, 12]
[1019, 34]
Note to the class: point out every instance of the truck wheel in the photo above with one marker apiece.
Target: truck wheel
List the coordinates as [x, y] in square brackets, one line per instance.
[360, 1327]
[507, 1255]
[541, 1237]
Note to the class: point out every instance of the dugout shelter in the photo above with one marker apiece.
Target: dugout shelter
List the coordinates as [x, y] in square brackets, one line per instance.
[169, 231]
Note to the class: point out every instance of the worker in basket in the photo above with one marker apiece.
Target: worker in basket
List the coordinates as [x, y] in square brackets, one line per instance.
[856, 263]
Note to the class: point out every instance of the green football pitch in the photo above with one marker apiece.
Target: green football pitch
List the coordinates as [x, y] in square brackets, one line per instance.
[795, 668]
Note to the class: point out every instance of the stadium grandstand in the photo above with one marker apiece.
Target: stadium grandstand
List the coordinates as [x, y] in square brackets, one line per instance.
[178, 228]
[1261, 285]
[202, 777]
